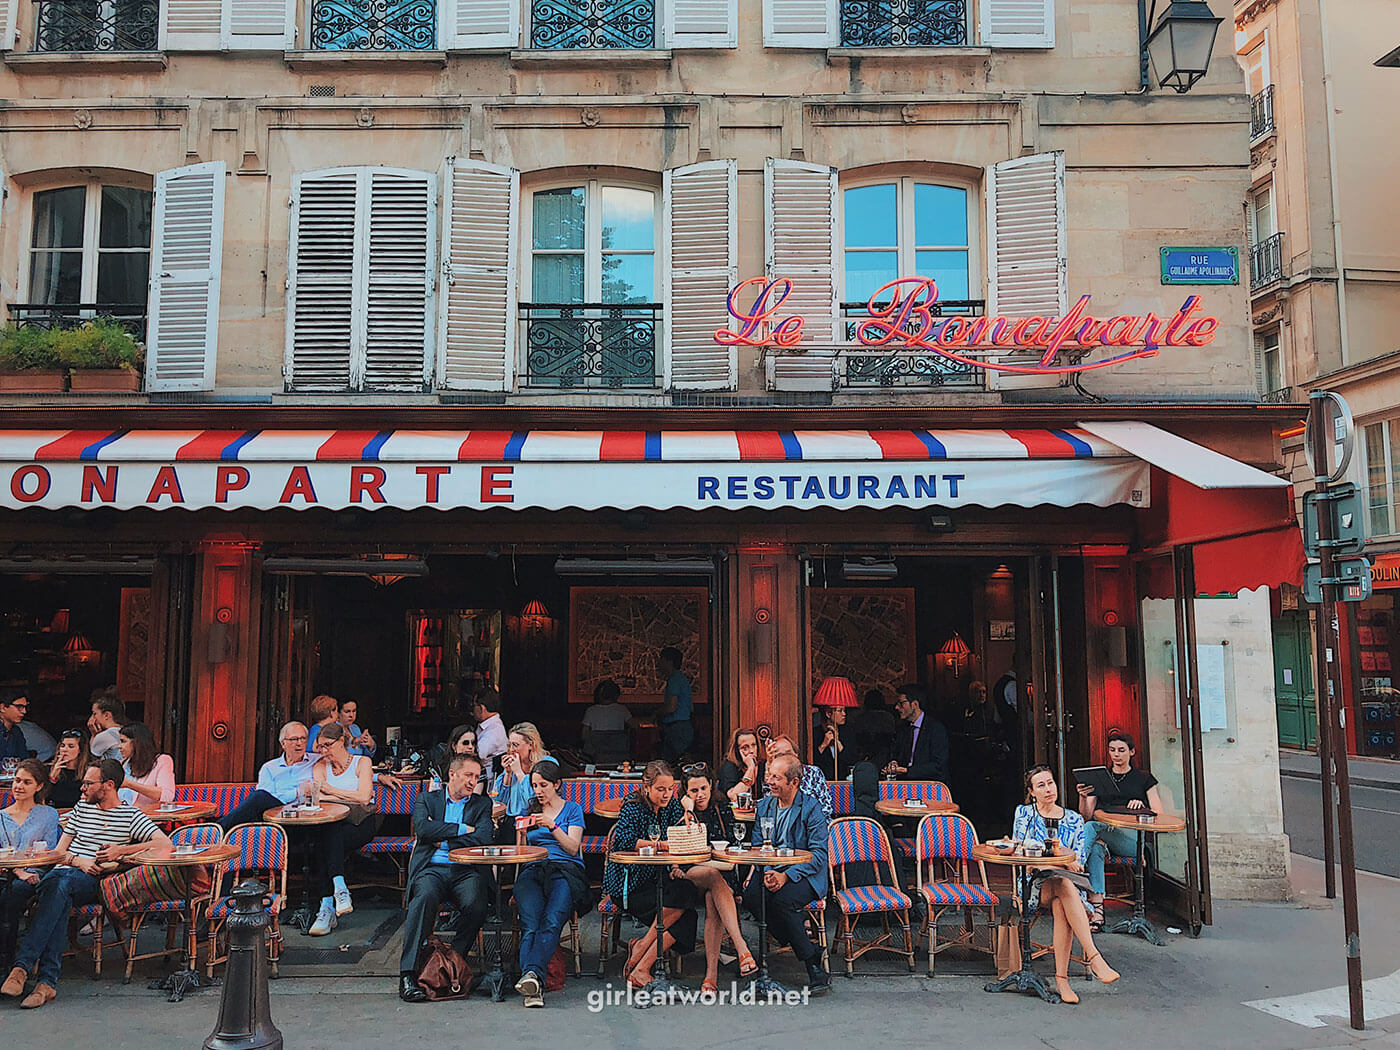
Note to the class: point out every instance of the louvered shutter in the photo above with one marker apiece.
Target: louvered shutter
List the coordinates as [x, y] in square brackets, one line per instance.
[800, 23]
[800, 225]
[399, 270]
[187, 243]
[258, 25]
[467, 24]
[321, 302]
[477, 312]
[701, 23]
[7, 23]
[190, 25]
[1027, 256]
[1018, 23]
[698, 269]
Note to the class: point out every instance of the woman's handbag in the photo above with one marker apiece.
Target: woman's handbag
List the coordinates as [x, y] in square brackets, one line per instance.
[360, 812]
[446, 975]
[688, 838]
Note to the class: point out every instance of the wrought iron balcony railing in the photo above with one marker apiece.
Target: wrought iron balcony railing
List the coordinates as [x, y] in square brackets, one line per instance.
[1266, 262]
[131, 316]
[373, 25]
[903, 23]
[97, 25]
[875, 366]
[585, 25]
[1284, 395]
[603, 345]
[1261, 114]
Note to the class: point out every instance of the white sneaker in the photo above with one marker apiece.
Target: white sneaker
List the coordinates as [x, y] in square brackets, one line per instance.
[530, 990]
[342, 902]
[325, 922]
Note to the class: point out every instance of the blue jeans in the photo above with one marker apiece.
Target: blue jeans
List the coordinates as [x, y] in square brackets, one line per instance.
[545, 901]
[1103, 840]
[61, 890]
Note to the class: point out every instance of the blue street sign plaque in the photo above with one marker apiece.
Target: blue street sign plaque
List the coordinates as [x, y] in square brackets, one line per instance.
[1200, 266]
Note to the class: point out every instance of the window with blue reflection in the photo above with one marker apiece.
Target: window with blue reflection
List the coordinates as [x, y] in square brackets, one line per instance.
[905, 228]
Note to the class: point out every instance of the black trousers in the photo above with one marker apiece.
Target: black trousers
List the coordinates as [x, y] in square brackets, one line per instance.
[250, 810]
[14, 900]
[786, 920]
[332, 843]
[468, 889]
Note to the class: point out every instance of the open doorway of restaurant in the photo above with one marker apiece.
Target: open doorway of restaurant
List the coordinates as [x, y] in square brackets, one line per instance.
[955, 626]
[414, 644]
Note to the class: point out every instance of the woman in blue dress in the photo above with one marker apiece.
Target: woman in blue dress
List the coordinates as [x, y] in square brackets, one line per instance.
[24, 822]
[1060, 889]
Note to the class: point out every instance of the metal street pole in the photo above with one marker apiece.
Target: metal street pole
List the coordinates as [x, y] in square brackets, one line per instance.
[1320, 433]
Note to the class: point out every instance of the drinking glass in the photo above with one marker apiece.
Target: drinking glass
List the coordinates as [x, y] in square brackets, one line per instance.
[37, 847]
[766, 825]
[315, 792]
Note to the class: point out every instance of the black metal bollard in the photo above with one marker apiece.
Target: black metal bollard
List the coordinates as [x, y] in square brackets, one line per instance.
[245, 1022]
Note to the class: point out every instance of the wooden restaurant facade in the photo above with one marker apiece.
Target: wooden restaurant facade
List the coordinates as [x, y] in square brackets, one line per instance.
[453, 380]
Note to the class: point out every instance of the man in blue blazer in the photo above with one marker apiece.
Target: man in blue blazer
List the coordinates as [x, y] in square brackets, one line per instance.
[444, 820]
[798, 821]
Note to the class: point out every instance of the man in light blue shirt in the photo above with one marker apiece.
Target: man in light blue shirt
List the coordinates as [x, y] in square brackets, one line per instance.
[677, 731]
[278, 780]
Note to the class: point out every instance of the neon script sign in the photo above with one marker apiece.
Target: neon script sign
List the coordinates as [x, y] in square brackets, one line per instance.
[903, 316]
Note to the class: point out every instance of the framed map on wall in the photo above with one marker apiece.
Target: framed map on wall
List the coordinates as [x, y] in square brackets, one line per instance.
[864, 634]
[616, 632]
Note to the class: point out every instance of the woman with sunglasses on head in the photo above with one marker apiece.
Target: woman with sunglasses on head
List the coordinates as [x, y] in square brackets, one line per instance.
[1060, 889]
[24, 822]
[461, 741]
[66, 771]
[703, 803]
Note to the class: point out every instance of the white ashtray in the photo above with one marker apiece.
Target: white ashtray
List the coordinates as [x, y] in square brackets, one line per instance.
[913, 803]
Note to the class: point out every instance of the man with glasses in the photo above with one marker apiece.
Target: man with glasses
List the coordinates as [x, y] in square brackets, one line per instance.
[13, 707]
[98, 835]
[279, 781]
[921, 742]
[453, 818]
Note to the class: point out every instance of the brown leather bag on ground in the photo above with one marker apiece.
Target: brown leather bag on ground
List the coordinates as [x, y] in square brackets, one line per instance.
[446, 975]
[1008, 949]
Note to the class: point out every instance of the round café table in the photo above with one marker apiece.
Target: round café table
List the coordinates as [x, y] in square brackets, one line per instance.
[660, 985]
[746, 815]
[761, 860]
[325, 813]
[497, 856]
[609, 808]
[1161, 822]
[894, 807]
[1025, 979]
[189, 979]
[182, 812]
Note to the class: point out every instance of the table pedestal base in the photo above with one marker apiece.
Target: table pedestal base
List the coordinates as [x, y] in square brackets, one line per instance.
[302, 918]
[1023, 981]
[1140, 925]
[181, 982]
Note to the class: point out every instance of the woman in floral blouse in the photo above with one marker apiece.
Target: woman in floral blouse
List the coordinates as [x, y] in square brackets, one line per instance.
[1060, 889]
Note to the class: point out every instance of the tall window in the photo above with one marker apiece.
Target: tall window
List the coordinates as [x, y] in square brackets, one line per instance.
[1270, 361]
[905, 228]
[593, 281]
[91, 245]
[1383, 476]
[1255, 61]
[1262, 220]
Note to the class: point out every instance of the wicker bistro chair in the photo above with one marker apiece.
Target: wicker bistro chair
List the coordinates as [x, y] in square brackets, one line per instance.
[97, 917]
[860, 840]
[943, 861]
[173, 911]
[262, 854]
[924, 790]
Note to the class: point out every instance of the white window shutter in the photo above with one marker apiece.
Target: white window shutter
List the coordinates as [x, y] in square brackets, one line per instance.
[257, 25]
[1027, 253]
[467, 24]
[189, 25]
[698, 202]
[699, 23]
[7, 23]
[187, 244]
[800, 23]
[1017, 23]
[400, 266]
[321, 265]
[799, 211]
[476, 320]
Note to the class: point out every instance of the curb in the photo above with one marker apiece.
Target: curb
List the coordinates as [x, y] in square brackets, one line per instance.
[1366, 782]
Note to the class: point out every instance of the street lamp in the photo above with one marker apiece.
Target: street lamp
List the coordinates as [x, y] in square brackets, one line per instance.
[1179, 46]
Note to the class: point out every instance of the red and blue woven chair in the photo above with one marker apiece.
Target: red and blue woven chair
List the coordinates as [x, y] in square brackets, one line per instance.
[262, 854]
[224, 797]
[173, 911]
[843, 797]
[924, 791]
[944, 859]
[860, 840]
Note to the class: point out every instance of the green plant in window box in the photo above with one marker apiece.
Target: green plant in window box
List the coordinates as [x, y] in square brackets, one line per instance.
[28, 361]
[102, 354]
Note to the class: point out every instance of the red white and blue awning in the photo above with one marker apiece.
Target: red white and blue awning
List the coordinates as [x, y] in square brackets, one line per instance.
[557, 469]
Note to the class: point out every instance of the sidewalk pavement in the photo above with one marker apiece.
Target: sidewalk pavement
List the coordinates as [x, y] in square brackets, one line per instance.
[1365, 772]
[1263, 976]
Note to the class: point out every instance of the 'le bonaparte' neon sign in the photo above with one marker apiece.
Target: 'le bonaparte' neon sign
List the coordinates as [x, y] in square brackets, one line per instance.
[902, 317]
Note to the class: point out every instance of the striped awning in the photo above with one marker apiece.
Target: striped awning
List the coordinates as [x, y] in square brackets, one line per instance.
[557, 469]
